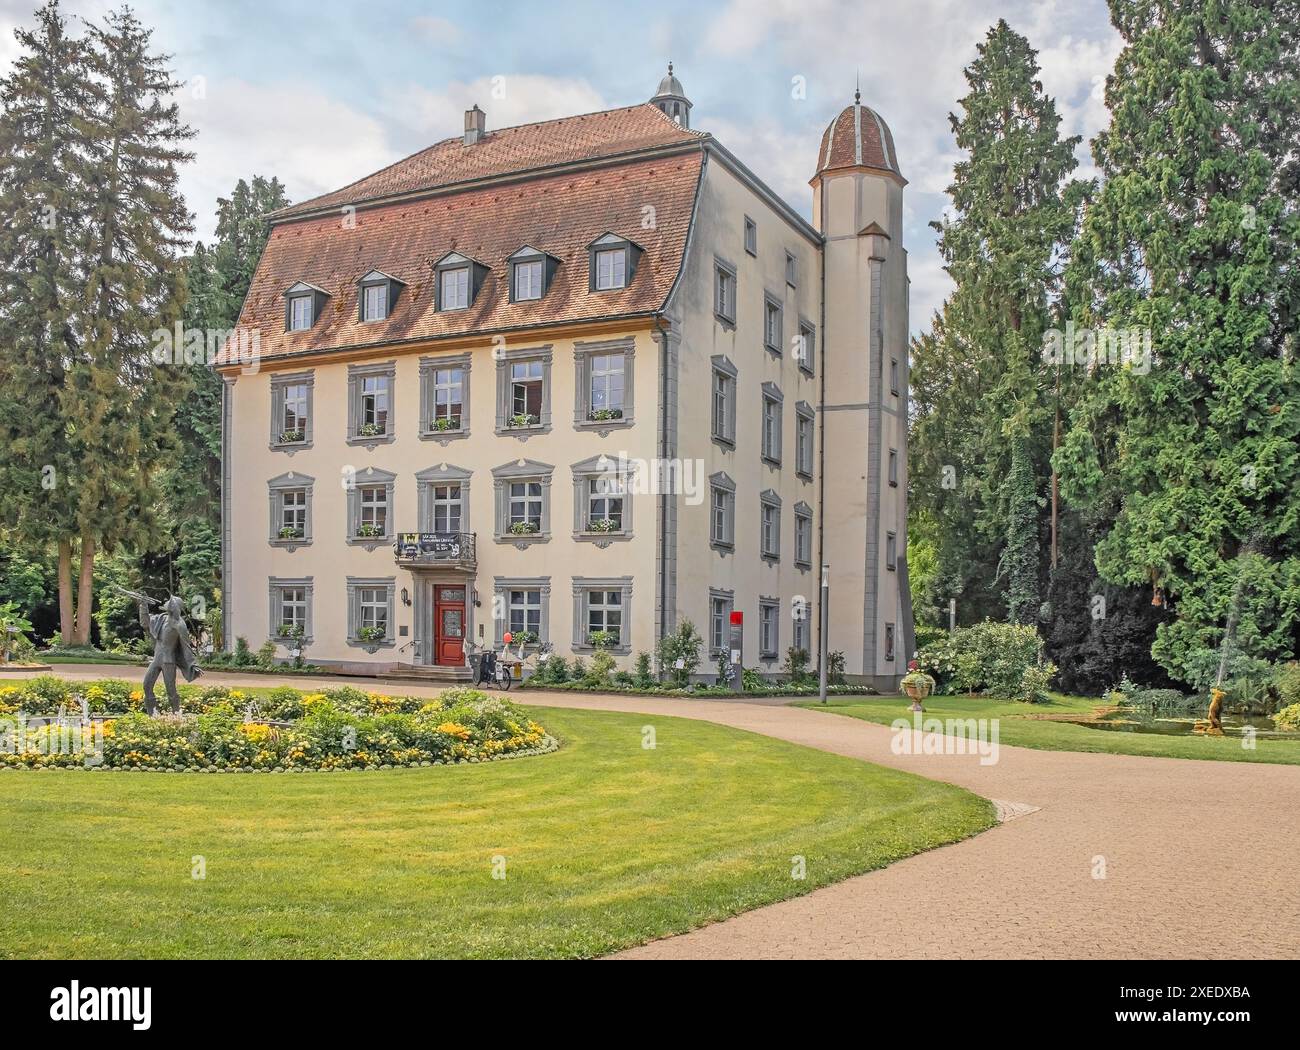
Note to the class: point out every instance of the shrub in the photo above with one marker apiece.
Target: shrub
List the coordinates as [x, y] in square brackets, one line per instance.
[835, 667]
[578, 670]
[14, 631]
[555, 670]
[1288, 718]
[1034, 683]
[1000, 659]
[266, 654]
[751, 680]
[243, 655]
[679, 653]
[1283, 689]
[602, 667]
[645, 678]
[796, 665]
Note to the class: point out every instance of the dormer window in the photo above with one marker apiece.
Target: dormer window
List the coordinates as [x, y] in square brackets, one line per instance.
[303, 304]
[528, 280]
[300, 313]
[377, 295]
[613, 262]
[611, 269]
[455, 288]
[374, 302]
[459, 279]
[531, 272]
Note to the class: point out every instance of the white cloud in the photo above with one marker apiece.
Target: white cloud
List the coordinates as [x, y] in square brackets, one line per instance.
[910, 57]
[439, 30]
[311, 142]
[428, 116]
[782, 160]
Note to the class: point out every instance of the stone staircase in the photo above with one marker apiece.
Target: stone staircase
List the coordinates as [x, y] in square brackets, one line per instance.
[432, 674]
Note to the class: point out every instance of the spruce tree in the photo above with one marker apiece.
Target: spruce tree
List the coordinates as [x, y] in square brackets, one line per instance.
[46, 112]
[119, 405]
[985, 404]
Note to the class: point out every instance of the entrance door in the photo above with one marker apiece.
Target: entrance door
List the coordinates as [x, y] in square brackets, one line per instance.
[449, 626]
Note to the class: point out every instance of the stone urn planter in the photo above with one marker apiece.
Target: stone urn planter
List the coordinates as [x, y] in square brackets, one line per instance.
[917, 685]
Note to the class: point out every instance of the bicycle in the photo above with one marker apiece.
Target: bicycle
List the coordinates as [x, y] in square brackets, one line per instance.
[488, 668]
[494, 670]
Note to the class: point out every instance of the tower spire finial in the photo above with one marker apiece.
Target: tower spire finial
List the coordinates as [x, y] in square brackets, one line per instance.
[857, 88]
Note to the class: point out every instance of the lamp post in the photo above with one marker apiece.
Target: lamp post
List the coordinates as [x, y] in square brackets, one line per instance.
[821, 642]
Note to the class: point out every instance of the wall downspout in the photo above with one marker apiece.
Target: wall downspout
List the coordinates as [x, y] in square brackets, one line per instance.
[662, 630]
[822, 612]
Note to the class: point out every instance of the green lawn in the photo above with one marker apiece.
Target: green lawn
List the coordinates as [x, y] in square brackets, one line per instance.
[606, 845]
[1018, 726]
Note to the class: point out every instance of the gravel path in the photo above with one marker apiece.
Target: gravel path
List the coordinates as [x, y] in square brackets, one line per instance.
[1099, 856]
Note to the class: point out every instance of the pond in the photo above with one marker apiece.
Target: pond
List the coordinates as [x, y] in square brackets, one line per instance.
[1180, 725]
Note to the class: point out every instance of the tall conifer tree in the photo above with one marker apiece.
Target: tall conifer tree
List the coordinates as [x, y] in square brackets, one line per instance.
[1194, 238]
[986, 407]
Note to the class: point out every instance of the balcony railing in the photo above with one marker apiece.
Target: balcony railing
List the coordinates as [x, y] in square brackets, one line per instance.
[452, 549]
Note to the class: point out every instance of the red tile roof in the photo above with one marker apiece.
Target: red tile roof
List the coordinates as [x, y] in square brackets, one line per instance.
[589, 137]
[858, 137]
[559, 213]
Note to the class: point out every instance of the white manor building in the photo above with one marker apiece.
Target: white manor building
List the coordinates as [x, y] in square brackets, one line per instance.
[476, 362]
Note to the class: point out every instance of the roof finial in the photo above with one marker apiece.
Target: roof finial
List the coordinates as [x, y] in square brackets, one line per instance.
[670, 67]
[857, 88]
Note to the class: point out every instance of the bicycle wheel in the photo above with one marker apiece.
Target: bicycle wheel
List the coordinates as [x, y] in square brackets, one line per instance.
[505, 680]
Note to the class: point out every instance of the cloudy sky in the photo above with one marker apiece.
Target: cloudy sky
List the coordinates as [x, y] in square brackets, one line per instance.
[321, 93]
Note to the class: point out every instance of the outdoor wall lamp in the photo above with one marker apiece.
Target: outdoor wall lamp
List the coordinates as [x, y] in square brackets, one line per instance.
[406, 596]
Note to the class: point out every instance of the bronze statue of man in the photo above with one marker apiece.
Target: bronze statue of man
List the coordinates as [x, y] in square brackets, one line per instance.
[171, 649]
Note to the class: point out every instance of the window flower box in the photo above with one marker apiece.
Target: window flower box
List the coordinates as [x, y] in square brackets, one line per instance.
[604, 525]
[368, 532]
[524, 528]
[523, 419]
[602, 640]
[603, 415]
[369, 430]
[289, 532]
[370, 634]
[445, 423]
[290, 632]
[523, 637]
[293, 437]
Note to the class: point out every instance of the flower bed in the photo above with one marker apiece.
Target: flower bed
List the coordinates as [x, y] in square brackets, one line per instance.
[227, 730]
[705, 692]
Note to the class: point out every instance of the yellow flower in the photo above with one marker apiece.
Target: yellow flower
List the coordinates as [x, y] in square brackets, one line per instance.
[454, 729]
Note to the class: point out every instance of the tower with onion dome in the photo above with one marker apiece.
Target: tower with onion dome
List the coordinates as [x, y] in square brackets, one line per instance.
[858, 209]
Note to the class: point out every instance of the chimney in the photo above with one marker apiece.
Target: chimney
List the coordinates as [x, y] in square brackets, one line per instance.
[475, 125]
